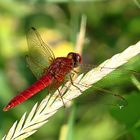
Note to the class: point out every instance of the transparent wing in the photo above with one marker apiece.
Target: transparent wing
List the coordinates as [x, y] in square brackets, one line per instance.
[36, 69]
[119, 81]
[40, 54]
[120, 72]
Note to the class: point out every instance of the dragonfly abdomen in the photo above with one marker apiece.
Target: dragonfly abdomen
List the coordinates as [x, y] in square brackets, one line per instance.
[29, 92]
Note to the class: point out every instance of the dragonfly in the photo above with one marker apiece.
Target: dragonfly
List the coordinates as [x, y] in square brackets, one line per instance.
[52, 75]
[51, 72]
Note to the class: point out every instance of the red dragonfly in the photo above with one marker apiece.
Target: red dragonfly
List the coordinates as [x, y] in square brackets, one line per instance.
[49, 76]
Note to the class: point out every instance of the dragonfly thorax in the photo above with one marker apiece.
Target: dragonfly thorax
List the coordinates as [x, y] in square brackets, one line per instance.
[76, 58]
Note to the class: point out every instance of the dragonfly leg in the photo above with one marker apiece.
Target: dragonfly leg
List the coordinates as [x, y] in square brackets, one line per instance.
[75, 71]
[74, 84]
[51, 94]
[59, 94]
[71, 83]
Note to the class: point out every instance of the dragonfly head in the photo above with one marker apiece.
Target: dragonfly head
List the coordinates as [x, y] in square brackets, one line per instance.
[76, 58]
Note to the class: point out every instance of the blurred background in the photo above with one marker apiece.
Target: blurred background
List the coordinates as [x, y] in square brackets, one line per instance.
[112, 26]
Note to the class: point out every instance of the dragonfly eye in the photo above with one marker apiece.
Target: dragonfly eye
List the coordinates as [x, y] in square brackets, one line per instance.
[76, 58]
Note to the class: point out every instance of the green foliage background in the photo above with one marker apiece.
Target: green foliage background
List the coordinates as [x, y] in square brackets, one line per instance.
[112, 26]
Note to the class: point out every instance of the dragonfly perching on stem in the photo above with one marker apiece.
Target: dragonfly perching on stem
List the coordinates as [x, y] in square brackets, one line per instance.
[51, 76]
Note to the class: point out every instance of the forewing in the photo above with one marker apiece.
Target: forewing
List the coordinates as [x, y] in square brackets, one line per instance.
[120, 72]
[40, 54]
